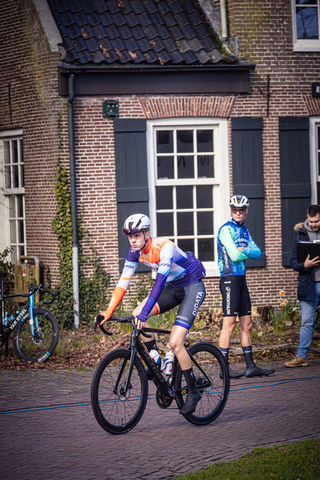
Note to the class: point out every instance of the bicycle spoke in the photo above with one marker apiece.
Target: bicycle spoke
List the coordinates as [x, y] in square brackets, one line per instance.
[208, 369]
[119, 407]
[41, 344]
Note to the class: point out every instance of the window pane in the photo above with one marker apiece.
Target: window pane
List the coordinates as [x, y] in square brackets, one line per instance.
[187, 244]
[21, 150]
[205, 223]
[185, 197]
[6, 146]
[20, 205]
[165, 224]
[20, 231]
[205, 250]
[13, 236]
[185, 167]
[165, 167]
[205, 166]
[184, 141]
[185, 223]
[164, 198]
[21, 179]
[7, 178]
[303, 2]
[12, 207]
[165, 141]
[21, 250]
[204, 140]
[15, 176]
[307, 23]
[204, 196]
[14, 258]
[14, 151]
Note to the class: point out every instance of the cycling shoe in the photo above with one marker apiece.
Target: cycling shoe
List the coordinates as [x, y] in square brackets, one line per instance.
[191, 402]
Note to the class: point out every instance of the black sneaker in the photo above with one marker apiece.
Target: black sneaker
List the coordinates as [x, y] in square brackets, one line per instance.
[233, 373]
[191, 402]
[258, 372]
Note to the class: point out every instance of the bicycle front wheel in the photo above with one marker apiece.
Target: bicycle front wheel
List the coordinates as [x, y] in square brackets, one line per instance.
[212, 380]
[39, 346]
[118, 409]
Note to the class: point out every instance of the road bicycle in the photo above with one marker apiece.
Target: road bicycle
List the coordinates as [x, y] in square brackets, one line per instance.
[36, 330]
[119, 390]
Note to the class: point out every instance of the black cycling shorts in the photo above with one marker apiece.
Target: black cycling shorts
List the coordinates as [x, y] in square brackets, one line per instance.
[189, 298]
[235, 296]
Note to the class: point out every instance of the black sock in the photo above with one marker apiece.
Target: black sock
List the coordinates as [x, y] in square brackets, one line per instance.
[248, 356]
[190, 379]
[151, 345]
[225, 353]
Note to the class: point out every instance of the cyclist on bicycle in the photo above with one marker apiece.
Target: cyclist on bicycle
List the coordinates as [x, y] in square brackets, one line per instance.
[178, 282]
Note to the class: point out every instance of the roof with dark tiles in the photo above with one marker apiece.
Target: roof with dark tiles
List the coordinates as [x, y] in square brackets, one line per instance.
[136, 32]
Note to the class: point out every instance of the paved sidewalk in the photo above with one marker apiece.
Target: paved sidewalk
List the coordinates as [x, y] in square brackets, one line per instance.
[66, 442]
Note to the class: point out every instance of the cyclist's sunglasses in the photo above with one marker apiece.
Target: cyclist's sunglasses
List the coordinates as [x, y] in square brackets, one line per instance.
[130, 232]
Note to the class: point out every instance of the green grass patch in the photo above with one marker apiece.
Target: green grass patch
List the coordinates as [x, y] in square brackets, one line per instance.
[295, 461]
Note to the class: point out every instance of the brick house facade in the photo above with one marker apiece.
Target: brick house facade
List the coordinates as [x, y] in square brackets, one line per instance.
[260, 32]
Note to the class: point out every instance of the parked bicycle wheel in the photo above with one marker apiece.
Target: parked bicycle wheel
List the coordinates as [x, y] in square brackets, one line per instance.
[41, 345]
[118, 411]
[214, 390]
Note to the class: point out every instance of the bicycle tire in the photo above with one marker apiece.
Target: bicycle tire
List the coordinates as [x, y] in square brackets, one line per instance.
[39, 349]
[214, 397]
[115, 412]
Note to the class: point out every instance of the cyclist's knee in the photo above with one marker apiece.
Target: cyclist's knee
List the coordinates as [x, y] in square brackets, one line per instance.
[246, 323]
[176, 345]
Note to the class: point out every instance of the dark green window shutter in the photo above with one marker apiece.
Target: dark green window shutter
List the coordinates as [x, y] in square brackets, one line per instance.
[131, 176]
[295, 177]
[247, 168]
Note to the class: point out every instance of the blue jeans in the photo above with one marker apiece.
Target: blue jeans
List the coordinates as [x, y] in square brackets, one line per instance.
[308, 310]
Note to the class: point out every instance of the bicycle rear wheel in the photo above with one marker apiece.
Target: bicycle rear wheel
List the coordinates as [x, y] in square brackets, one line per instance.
[115, 410]
[215, 391]
[41, 345]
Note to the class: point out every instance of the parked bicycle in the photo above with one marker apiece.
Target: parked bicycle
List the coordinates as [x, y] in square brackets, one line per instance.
[36, 330]
[119, 390]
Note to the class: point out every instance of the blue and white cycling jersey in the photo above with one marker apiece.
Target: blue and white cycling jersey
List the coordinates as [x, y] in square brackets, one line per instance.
[231, 236]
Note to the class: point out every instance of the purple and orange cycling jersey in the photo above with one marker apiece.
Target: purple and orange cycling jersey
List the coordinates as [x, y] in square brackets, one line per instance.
[172, 265]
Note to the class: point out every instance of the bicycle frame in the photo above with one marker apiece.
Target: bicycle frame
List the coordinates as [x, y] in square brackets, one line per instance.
[119, 389]
[26, 311]
[159, 380]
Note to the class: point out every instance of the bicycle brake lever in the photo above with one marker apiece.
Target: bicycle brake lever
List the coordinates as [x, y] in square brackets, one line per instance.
[97, 322]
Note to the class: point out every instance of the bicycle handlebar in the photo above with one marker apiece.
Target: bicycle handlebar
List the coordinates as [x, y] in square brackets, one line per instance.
[35, 289]
[128, 319]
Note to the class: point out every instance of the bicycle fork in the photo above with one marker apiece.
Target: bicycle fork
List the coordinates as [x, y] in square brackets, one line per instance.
[33, 321]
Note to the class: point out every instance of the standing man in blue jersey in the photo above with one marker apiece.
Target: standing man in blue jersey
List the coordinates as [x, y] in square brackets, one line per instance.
[235, 245]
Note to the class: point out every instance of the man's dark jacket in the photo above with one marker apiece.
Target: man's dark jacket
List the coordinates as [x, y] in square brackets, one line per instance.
[306, 276]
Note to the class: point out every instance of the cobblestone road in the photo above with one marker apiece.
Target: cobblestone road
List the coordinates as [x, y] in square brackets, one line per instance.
[48, 429]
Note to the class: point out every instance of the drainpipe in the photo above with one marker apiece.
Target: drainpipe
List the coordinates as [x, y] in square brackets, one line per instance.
[223, 13]
[75, 258]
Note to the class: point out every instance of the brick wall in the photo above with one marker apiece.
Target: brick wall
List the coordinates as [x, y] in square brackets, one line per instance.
[28, 65]
[264, 36]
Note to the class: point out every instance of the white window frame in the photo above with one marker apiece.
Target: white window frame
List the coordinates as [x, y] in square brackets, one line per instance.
[314, 164]
[304, 45]
[221, 179]
[5, 194]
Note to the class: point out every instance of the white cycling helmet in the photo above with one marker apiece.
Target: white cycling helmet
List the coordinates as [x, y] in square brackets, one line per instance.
[136, 223]
[239, 201]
